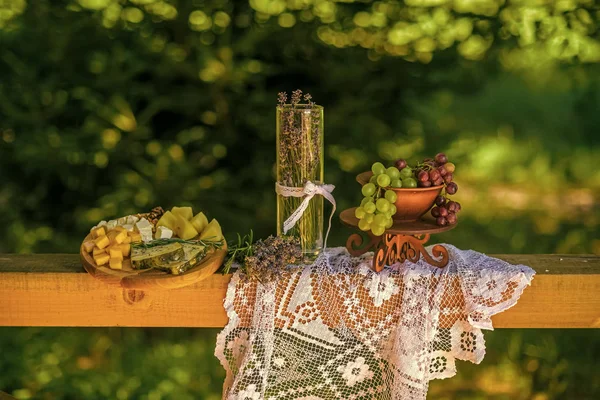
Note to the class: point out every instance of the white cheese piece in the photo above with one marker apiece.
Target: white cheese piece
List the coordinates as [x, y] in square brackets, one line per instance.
[163, 232]
[147, 232]
[143, 224]
[111, 224]
[146, 236]
[128, 227]
[102, 223]
[132, 219]
[122, 221]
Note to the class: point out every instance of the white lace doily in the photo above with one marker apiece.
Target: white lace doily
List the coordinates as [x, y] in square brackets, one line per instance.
[337, 330]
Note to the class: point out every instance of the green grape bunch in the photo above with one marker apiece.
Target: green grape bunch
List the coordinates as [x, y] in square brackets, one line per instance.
[378, 204]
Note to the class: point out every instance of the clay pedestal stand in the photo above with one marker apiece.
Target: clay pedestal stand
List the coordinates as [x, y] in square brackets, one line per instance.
[403, 241]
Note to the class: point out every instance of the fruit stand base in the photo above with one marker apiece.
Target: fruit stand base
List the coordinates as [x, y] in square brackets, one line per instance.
[391, 248]
[403, 241]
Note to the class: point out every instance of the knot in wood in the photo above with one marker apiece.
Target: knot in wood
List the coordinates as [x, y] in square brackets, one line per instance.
[133, 296]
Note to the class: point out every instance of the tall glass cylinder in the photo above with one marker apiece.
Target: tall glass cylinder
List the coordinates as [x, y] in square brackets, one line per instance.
[300, 159]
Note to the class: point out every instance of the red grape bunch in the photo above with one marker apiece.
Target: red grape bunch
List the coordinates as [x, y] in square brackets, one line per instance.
[436, 172]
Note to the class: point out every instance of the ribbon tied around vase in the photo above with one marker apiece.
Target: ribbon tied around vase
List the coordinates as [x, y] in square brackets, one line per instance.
[309, 191]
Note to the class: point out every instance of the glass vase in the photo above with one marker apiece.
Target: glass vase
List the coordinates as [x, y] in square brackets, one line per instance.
[300, 159]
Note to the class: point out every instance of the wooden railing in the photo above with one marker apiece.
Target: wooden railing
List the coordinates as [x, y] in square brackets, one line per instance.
[55, 290]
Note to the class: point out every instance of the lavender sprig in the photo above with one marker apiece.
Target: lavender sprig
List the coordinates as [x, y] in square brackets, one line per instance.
[272, 257]
[296, 97]
[282, 98]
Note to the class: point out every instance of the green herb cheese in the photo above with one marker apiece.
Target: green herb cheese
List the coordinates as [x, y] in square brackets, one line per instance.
[193, 255]
[157, 256]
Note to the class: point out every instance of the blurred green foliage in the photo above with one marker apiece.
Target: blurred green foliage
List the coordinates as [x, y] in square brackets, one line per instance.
[113, 363]
[109, 107]
[128, 363]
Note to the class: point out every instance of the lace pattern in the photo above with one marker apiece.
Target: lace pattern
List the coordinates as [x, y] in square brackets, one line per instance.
[337, 330]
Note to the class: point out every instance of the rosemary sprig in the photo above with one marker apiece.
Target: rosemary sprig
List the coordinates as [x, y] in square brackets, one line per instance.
[239, 251]
[215, 244]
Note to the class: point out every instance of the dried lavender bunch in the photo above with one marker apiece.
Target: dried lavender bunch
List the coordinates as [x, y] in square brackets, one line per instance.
[272, 257]
[299, 159]
[300, 139]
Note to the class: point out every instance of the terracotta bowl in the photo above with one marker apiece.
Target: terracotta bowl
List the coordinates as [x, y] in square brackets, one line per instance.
[411, 203]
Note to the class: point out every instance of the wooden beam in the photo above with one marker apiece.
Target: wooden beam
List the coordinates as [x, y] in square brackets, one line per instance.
[55, 290]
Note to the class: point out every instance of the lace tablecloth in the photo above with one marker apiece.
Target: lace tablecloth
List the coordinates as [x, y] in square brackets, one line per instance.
[337, 330]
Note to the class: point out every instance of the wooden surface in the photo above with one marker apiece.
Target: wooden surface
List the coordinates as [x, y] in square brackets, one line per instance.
[55, 290]
[152, 279]
[420, 227]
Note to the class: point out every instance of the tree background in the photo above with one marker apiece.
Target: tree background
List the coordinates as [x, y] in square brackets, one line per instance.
[110, 107]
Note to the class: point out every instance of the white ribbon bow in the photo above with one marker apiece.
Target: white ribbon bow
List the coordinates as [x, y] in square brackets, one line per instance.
[309, 190]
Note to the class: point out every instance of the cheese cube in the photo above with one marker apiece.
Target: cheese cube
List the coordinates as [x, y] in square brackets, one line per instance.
[89, 246]
[112, 235]
[102, 241]
[146, 236]
[143, 224]
[122, 221]
[115, 253]
[116, 264]
[98, 251]
[101, 259]
[162, 232]
[120, 237]
[128, 227]
[125, 249]
[99, 231]
[111, 224]
[102, 223]
[132, 219]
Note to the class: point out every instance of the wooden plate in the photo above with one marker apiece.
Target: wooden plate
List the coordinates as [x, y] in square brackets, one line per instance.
[152, 279]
